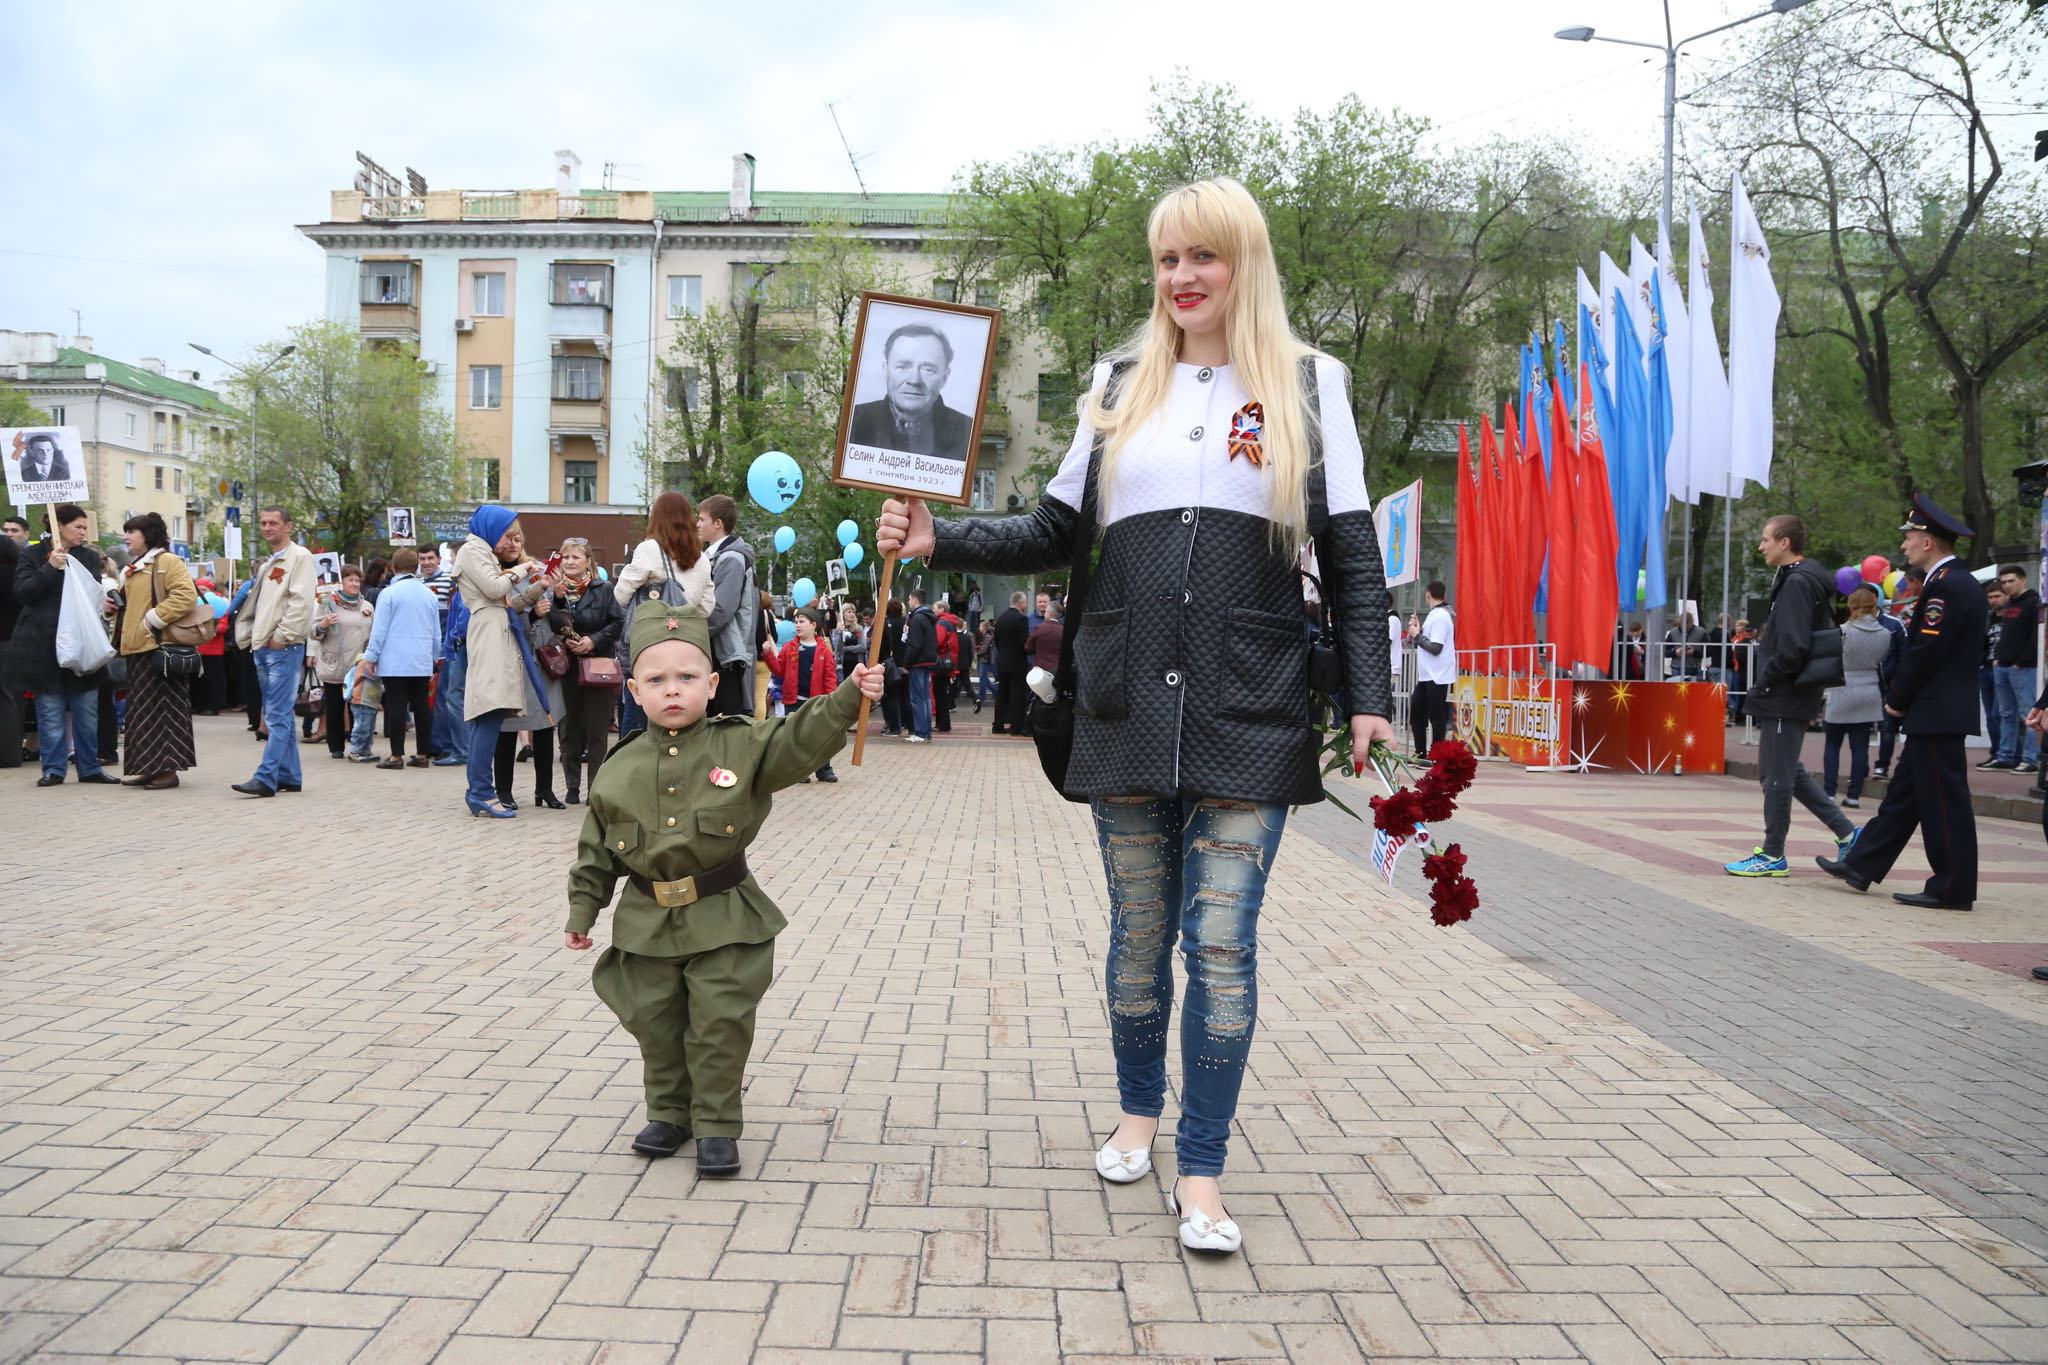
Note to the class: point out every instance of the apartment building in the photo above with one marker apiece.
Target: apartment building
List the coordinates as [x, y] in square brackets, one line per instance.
[150, 434]
[546, 312]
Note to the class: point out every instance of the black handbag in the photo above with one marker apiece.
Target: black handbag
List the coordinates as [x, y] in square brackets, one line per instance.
[1052, 722]
[173, 660]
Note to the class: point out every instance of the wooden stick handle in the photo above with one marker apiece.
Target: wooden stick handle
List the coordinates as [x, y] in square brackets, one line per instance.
[860, 727]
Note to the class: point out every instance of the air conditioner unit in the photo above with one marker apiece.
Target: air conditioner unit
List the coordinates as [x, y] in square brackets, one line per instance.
[1016, 502]
[465, 324]
[431, 366]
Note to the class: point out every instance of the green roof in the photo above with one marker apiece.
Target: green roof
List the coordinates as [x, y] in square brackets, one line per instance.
[789, 206]
[71, 363]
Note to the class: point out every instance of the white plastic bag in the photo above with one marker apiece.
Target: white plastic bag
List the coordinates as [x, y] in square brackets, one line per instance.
[82, 643]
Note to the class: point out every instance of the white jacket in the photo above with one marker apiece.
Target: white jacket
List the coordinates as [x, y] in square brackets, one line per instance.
[644, 573]
[283, 611]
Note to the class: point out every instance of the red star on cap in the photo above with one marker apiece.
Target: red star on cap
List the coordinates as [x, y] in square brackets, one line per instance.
[673, 623]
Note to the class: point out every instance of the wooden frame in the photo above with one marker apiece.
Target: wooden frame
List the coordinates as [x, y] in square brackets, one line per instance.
[936, 475]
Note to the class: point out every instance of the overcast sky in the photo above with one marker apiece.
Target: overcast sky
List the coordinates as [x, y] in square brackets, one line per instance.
[159, 156]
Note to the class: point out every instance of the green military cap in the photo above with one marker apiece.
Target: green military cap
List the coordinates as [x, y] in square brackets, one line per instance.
[656, 621]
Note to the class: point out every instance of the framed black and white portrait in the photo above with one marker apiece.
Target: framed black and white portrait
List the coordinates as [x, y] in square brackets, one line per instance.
[916, 397]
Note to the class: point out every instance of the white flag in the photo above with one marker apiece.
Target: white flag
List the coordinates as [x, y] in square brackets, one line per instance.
[1752, 343]
[1589, 299]
[1678, 475]
[1709, 385]
[1398, 518]
[1641, 265]
[1612, 277]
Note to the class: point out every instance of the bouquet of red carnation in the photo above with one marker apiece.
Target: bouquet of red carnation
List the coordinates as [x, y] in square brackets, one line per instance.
[1403, 814]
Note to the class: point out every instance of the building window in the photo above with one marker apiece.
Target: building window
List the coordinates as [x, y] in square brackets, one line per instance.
[177, 527]
[579, 377]
[483, 480]
[1055, 397]
[581, 283]
[946, 291]
[131, 426]
[985, 296]
[57, 415]
[686, 296]
[128, 468]
[486, 386]
[682, 389]
[387, 282]
[177, 480]
[579, 481]
[984, 490]
[793, 382]
[489, 300]
[158, 470]
[772, 285]
[157, 444]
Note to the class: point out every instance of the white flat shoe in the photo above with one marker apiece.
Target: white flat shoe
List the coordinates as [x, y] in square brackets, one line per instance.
[1122, 1168]
[1200, 1232]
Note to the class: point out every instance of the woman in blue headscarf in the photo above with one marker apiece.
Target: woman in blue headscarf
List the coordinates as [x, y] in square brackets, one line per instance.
[494, 583]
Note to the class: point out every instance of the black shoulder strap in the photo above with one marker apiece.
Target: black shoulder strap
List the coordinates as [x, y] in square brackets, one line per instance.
[1084, 540]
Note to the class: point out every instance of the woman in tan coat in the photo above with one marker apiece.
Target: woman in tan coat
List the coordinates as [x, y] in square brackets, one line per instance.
[494, 584]
[341, 628]
[156, 590]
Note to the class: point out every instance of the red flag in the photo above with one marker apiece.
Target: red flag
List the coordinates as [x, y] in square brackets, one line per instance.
[1471, 570]
[1600, 596]
[1563, 624]
[1496, 510]
[1516, 619]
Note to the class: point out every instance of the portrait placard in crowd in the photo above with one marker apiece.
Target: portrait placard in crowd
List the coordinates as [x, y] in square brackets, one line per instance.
[44, 465]
[916, 397]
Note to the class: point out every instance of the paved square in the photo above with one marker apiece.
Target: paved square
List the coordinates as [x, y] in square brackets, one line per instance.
[311, 1079]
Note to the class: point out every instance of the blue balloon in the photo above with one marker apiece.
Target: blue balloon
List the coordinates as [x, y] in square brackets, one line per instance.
[854, 555]
[803, 592]
[785, 631]
[784, 538]
[774, 481]
[848, 533]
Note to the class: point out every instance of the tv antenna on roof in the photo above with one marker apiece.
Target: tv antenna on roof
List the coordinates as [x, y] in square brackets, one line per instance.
[832, 108]
[615, 171]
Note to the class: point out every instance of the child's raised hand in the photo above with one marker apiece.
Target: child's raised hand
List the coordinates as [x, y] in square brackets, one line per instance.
[572, 939]
[869, 680]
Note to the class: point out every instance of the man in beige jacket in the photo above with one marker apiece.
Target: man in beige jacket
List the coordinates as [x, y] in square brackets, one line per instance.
[273, 625]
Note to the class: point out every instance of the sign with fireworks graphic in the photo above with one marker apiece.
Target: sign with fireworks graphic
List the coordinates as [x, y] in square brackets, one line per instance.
[1663, 727]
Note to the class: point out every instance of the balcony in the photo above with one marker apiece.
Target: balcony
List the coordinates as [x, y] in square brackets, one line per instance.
[591, 204]
[447, 206]
[379, 208]
[389, 300]
[491, 204]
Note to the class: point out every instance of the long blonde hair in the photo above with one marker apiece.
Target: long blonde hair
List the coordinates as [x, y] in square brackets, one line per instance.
[1221, 215]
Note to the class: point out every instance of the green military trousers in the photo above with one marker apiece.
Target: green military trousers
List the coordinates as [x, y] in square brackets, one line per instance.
[694, 1020]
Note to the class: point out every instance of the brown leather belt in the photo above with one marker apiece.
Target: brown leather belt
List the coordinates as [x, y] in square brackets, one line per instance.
[670, 895]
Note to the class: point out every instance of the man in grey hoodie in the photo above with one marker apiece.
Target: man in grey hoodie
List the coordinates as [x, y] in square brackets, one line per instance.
[1786, 696]
[734, 614]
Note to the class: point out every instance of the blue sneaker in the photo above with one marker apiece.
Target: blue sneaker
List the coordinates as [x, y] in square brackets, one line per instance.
[449, 761]
[1842, 846]
[1758, 864]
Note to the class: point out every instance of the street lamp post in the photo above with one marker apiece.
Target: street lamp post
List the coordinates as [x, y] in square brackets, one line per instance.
[1583, 33]
[255, 379]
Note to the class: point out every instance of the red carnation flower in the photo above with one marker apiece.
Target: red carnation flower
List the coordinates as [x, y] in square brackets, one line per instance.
[1452, 900]
[1398, 814]
[1436, 806]
[1447, 864]
[1453, 765]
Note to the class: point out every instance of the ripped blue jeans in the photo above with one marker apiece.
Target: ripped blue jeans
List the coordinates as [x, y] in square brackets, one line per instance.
[1192, 870]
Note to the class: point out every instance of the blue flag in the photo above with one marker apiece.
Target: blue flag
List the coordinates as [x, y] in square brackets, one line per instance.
[1567, 385]
[1659, 448]
[1628, 450]
[1617, 475]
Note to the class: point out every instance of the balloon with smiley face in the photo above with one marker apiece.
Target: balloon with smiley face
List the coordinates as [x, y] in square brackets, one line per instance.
[774, 481]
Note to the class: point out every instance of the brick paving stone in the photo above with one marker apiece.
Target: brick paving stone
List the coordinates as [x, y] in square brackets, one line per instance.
[1626, 1115]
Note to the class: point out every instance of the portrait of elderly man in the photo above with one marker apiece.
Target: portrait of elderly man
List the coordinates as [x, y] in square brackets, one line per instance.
[917, 360]
[42, 460]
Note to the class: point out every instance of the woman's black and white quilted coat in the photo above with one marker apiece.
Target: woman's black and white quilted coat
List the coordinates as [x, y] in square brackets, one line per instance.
[1191, 654]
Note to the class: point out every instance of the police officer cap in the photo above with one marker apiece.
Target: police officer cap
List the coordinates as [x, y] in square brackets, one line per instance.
[1927, 515]
[656, 621]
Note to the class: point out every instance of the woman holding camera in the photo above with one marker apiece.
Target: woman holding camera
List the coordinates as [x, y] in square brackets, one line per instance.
[1225, 445]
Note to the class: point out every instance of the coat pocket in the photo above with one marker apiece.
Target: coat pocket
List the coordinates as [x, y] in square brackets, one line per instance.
[1100, 651]
[622, 838]
[1267, 673]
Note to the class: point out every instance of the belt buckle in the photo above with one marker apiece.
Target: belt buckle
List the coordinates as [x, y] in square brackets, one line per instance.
[670, 895]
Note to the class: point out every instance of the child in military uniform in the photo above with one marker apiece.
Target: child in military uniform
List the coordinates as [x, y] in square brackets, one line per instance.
[693, 939]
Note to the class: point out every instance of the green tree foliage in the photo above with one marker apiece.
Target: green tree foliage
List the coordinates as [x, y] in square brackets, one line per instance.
[17, 411]
[345, 430]
[1908, 231]
[1420, 269]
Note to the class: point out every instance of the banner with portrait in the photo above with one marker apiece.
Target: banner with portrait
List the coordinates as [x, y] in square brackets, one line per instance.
[44, 465]
[916, 397]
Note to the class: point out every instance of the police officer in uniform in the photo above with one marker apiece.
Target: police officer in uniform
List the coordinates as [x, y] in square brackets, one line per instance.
[1933, 695]
[693, 938]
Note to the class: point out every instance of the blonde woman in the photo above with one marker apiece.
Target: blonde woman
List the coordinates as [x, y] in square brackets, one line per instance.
[1850, 711]
[498, 588]
[1192, 732]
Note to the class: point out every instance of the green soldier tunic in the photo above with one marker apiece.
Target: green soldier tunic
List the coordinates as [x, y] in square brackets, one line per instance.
[669, 805]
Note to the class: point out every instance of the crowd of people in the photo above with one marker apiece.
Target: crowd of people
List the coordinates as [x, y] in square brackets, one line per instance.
[503, 656]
